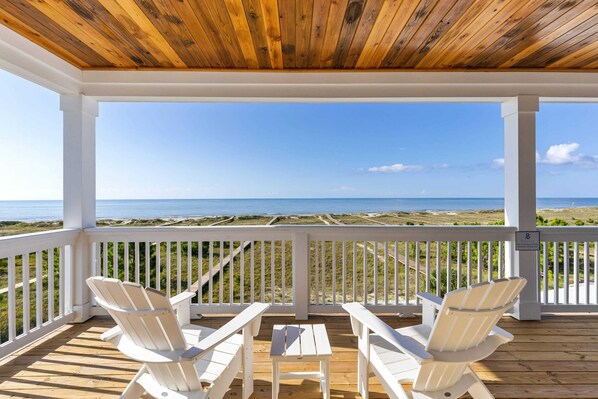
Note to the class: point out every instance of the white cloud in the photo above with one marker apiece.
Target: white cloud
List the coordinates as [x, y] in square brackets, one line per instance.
[498, 163]
[396, 168]
[560, 154]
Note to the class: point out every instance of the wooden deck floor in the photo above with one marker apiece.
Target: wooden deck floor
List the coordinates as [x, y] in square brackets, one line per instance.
[554, 358]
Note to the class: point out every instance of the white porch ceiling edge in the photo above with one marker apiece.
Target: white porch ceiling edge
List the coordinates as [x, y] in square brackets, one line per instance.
[28, 60]
[338, 86]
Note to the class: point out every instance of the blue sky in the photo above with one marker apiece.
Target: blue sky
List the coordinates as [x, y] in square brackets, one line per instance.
[191, 150]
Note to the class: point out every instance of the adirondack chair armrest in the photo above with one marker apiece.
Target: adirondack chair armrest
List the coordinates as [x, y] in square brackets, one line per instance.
[182, 298]
[181, 304]
[405, 344]
[503, 335]
[111, 334]
[246, 318]
[431, 299]
[430, 304]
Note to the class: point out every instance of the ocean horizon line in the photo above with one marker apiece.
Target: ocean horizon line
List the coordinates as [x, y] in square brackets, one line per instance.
[51, 210]
[287, 198]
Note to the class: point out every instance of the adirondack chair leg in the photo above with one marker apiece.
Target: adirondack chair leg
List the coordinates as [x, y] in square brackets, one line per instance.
[247, 363]
[275, 379]
[181, 304]
[479, 390]
[183, 315]
[428, 314]
[363, 361]
[134, 390]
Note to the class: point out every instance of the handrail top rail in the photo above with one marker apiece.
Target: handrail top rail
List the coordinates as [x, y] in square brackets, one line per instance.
[294, 229]
[287, 232]
[27, 243]
[568, 233]
[38, 234]
[567, 229]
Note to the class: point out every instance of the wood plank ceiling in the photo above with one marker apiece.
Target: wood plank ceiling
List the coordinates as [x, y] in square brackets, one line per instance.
[312, 34]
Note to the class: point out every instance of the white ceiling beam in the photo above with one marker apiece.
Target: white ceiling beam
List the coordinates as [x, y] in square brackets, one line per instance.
[26, 59]
[338, 86]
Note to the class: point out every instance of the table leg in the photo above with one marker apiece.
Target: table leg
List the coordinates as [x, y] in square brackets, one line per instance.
[322, 368]
[326, 378]
[275, 379]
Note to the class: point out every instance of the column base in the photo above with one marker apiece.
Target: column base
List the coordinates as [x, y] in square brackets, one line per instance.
[526, 311]
[82, 313]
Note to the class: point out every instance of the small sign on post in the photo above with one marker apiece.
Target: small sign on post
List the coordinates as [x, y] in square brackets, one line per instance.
[527, 241]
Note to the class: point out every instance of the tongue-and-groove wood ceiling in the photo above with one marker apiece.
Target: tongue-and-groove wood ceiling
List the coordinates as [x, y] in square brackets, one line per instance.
[312, 34]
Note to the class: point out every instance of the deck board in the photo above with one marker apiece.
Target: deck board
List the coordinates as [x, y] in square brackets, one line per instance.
[553, 358]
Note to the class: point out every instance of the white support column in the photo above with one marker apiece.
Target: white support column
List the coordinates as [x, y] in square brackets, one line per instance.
[79, 190]
[519, 114]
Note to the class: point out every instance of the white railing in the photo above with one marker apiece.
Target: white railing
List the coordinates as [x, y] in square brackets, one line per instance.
[385, 267]
[228, 266]
[301, 269]
[567, 269]
[35, 286]
[298, 269]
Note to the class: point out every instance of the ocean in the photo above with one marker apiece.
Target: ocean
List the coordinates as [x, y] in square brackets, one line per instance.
[176, 208]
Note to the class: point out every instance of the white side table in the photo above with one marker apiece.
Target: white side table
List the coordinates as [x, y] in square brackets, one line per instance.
[300, 343]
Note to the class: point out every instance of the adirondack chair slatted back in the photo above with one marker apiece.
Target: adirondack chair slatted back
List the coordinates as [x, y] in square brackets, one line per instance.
[148, 320]
[464, 321]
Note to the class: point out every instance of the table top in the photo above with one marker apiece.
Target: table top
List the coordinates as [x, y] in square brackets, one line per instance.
[299, 341]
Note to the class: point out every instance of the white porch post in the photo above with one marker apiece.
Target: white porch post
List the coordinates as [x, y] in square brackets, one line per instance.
[79, 190]
[519, 114]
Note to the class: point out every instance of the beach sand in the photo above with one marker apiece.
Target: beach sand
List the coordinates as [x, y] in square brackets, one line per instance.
[587, 216]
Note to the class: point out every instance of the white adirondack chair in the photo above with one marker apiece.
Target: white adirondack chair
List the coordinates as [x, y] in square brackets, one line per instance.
[435, 356]
[180, 360]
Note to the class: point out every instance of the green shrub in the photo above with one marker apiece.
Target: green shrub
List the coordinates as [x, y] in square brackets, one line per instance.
[443, 285]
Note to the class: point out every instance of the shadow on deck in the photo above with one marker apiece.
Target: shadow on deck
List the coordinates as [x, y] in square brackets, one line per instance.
[553, 358]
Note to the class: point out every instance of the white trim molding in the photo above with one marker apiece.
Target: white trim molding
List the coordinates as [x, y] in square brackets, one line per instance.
[338, 86]
[26, 59]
